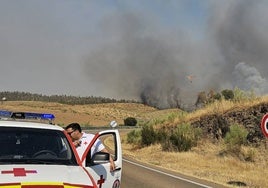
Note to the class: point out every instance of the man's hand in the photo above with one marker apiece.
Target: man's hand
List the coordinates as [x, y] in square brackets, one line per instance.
[77, 143]
[112, 165]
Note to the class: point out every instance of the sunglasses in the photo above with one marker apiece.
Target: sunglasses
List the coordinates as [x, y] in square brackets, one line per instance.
[69, 133]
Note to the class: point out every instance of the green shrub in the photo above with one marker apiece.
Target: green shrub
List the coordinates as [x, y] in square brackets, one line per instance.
[240, 95]
[182, 138]
[171, 117]
[162, 134]
[134, 137]
[228, 94]
[217, 96]
[148, 135]
[235, 138]
[130, 121]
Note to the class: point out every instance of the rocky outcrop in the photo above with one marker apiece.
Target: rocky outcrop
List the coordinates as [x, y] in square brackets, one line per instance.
[217, 125]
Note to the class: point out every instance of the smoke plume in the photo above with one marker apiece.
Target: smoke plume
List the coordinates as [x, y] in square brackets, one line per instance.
[248, 78]
[138, 59]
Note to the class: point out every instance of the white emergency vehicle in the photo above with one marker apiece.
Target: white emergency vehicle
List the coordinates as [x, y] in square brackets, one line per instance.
[41, 155]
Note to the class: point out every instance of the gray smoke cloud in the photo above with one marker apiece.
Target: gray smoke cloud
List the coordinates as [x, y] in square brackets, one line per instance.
[248, 78]
[137, 59]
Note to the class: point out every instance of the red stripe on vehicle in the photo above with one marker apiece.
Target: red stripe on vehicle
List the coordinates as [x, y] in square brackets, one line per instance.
[92, 179]
[78, 185]
[9, 184]
[73, 148]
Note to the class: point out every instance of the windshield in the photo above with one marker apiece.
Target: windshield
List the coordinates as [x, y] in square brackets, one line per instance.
[34, 146]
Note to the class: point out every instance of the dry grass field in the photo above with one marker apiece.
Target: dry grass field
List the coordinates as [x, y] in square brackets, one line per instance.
[203, 161]
[95, 114]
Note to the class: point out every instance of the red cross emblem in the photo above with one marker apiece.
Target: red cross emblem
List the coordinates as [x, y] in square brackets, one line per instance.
[101, 181]
[18, 171]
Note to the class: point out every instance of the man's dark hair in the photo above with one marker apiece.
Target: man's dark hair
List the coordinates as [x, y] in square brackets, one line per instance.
[74, 126]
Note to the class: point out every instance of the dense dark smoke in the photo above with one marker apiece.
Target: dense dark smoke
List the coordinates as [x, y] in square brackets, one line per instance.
[240, 32]
[137, 59]
[138, 66]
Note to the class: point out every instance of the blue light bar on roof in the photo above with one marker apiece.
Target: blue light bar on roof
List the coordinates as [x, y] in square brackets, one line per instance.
[26, 115]
[48, 116]
[39, 116]
[4, 113]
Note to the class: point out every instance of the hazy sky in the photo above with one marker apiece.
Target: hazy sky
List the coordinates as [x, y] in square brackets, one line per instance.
[133, 48]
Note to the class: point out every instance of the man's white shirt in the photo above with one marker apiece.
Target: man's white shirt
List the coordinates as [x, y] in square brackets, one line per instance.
[85, 141]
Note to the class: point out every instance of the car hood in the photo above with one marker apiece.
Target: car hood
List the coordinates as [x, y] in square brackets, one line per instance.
[46, 175]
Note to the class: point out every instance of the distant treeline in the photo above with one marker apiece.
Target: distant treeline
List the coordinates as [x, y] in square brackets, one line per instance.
[64, 99]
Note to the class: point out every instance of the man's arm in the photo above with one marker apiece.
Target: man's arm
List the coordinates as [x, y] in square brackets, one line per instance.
[112, 165]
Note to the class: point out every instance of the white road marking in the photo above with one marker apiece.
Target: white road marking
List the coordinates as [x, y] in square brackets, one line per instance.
[170, 175]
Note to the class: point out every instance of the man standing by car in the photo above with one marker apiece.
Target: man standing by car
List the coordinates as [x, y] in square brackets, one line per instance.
[81, 140]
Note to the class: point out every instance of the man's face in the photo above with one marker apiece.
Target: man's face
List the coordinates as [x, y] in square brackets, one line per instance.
[73, 133]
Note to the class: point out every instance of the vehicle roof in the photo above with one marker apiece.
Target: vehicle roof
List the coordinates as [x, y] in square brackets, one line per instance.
[27, 124]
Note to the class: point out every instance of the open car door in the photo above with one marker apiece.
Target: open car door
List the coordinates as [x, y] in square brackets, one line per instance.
[98, 165]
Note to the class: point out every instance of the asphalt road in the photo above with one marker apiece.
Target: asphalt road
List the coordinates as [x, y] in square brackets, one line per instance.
[139, 175]
[144, 176]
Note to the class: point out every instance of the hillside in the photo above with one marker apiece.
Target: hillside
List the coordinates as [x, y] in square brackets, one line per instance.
[210, 160]
[204, 161]
[93, 114]
[218, 123]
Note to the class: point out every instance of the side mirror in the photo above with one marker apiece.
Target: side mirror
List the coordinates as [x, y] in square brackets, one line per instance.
[100, 158]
